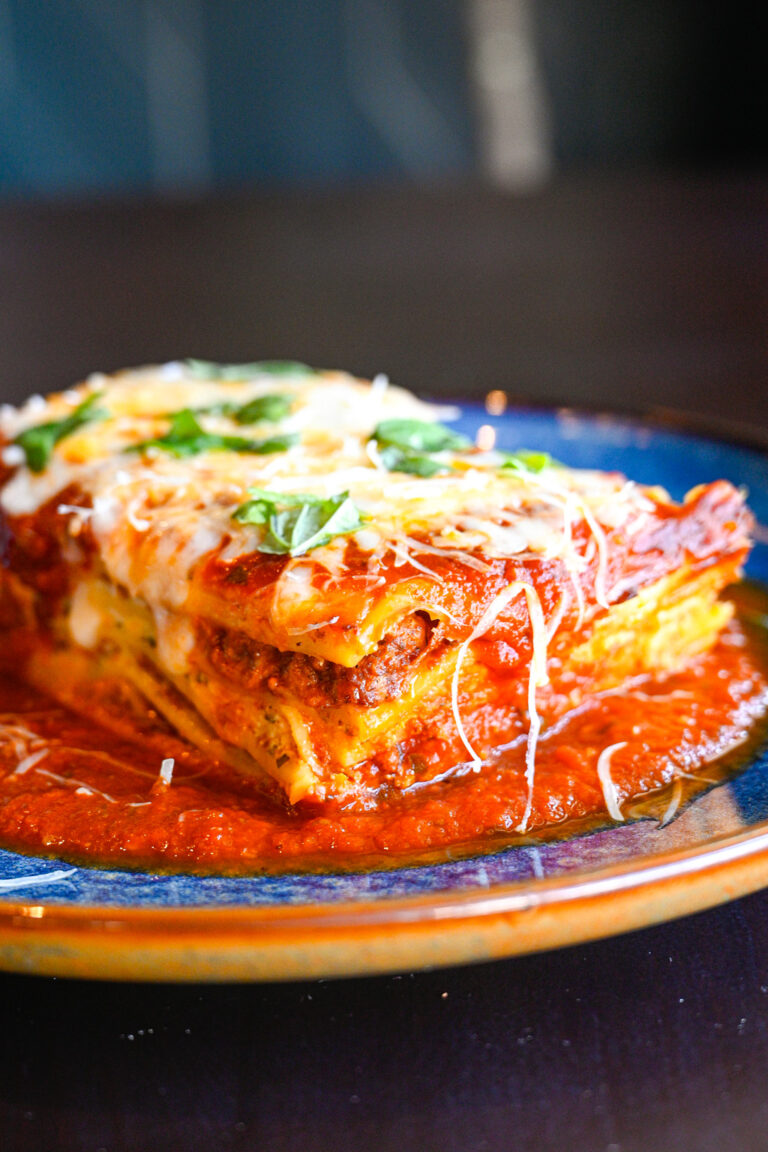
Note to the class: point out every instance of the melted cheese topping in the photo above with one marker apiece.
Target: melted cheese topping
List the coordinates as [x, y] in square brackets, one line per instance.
[154, 516]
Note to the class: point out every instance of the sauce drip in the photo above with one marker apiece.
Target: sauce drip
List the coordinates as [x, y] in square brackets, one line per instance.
[71, 789]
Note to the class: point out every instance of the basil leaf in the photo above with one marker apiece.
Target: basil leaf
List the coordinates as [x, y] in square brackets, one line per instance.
[38, 442]
[296, 521]
[524, 460]
[399, 460]
[220, 408]
[261, 447]
[208, 370]
[184, 426]
[419, 436]
[186, 437]
[262, 504]
[272, 407]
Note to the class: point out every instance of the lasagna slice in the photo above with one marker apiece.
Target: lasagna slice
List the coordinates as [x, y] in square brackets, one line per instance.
[320, 582]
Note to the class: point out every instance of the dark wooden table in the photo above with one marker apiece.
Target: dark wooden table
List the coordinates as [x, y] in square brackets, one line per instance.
[636, 293]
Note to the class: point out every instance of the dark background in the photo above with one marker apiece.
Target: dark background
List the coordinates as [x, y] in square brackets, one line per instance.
[627, 1045]
[314, 181]
[632, 290]
[111, 97]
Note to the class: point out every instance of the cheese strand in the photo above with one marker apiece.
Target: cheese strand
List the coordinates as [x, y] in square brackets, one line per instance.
[537, 675]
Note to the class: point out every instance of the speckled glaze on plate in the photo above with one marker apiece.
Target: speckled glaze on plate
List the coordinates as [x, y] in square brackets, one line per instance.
[59, 920]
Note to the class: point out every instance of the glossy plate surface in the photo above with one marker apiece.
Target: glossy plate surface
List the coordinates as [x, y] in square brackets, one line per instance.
[60, 920]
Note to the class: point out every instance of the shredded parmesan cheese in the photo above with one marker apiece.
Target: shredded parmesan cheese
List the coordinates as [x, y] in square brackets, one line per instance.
[373, 454]
[403, 556]
[29, 762]
[601, 595]
[81, 788]
[606, 781]
[449, 553]
[671, 810]
[74, 510]
[485, 438]
[11, 882]
[537, 675]
[166, 770]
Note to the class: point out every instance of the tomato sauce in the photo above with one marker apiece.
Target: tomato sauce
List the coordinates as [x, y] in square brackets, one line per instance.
[71, 789]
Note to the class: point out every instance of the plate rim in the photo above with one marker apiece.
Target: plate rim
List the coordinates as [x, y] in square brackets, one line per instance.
[247, 944]
[722, 430]
[422, 907]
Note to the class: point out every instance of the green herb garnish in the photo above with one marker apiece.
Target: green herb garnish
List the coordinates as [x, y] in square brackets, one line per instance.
[208, 370]
[186, 437]
[524, 460]
[401, 460]
[272, 407]
[269, 409]
[419, 436]
[38, 442]
[296, 522]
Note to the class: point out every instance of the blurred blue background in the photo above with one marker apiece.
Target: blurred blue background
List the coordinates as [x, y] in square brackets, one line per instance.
[158, 96]
[127, 95]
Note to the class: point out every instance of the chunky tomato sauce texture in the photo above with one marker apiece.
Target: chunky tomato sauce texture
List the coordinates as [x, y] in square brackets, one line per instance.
[71, 788]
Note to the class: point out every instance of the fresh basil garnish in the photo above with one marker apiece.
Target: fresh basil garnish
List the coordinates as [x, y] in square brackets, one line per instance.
[297, 522]
[38, 442]
[401, 460]
[419, 436]
[270, 409]
[208, 370]
[186, 437]
[524, 460]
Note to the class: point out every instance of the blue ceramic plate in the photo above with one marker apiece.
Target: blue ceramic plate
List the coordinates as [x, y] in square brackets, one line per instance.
[94, 922]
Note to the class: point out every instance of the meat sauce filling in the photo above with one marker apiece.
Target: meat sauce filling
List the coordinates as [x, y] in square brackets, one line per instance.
[319, 683]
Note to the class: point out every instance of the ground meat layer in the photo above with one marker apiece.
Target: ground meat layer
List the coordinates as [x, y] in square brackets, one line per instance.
[319, 683]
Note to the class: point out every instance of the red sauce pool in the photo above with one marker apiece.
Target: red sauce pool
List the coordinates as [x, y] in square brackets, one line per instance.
[69, 788]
